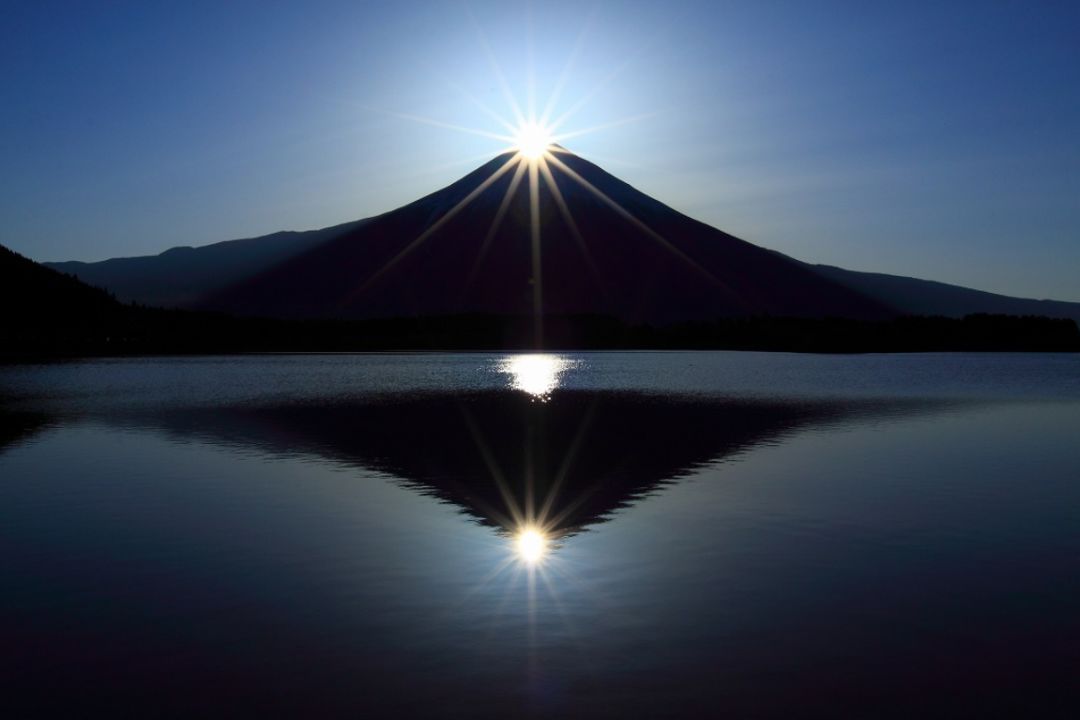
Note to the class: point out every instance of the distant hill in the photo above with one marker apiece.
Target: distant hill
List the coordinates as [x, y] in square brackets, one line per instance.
[183, 276]
[45, 305]
[47, 313]
[911, 296]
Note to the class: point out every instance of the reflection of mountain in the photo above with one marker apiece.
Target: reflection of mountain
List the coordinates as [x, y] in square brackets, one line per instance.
[609, 449]
[16, 427]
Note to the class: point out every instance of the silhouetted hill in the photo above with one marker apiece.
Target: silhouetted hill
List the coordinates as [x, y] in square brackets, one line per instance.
[633, 258]
[182, 276]
[911, 296]
[31, 290]
[49, 313]
[42, 305]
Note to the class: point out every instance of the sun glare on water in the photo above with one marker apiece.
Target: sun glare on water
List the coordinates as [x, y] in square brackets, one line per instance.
[536, 374]
[532, 140]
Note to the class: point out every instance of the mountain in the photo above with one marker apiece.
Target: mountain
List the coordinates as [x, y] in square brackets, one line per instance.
[183, 276]
[42, 304]
[45, 312]
[31, 290]
[624, 255]
[912, 296]
[627, 256]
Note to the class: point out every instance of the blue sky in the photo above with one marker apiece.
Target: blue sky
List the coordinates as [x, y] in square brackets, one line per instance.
[940, 140]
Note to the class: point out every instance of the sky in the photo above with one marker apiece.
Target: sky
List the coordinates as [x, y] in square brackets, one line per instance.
[936, 140]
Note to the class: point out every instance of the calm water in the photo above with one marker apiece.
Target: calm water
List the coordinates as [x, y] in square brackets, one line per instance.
[717, 534]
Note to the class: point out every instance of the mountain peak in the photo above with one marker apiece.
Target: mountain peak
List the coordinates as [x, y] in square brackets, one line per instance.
[555, 238]
[558, 235]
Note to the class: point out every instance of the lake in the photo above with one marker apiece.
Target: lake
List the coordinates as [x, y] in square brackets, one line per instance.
[567, 535]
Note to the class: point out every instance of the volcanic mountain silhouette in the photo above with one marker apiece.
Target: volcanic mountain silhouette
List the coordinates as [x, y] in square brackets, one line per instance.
[626, 256]
[472, 248]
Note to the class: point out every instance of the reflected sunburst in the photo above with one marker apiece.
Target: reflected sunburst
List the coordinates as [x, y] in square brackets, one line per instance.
[531, 544]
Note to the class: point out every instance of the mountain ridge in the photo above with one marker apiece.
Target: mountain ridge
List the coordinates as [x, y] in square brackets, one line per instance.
[156, 280]
[916, 296]
[258, 276]
[614, 252]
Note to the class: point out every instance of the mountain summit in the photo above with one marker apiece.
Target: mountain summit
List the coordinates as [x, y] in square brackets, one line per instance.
[564, 237]
[594, 245]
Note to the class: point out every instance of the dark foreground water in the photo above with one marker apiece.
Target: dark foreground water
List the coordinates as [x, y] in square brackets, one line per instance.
[584, 535]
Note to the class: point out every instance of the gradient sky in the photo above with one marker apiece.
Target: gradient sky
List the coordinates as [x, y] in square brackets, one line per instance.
[939, 140]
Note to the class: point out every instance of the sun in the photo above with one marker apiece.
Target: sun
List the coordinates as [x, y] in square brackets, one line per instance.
[532, 140]
[531, 545]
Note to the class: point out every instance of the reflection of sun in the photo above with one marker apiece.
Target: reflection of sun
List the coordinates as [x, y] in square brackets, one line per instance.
[532, 140]
[531, 545]
[536, 374]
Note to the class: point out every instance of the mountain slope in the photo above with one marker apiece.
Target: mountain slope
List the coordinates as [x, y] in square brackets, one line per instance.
[182, 276]
[631, 257]
[912, 296]
[32, 295]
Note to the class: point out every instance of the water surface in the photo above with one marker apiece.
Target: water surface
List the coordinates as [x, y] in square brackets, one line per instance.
[757, 535]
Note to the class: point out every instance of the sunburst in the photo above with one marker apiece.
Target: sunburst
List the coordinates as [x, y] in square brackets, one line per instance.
[532, 141]
[534, 534]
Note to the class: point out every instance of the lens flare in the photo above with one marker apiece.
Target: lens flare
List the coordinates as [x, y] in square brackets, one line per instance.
[532, 140]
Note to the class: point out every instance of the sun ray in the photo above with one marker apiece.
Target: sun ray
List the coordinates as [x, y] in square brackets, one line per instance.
[502, 566]
[604, 160]
[605, 126]
[508, 196]
[531, 579]
[608, 79]
[637, 223]
[508, 591]
[483, 107]
[451, 126]
[493, 468]
[553, 594]
[564, 76]
[564, 467]
[504, 86]
[564, 210]
[557, 520]
[537, 270]
[471, 160]
[569, 577]
[530, 61]
[592, 93]
[427, 233]
[530, 475]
